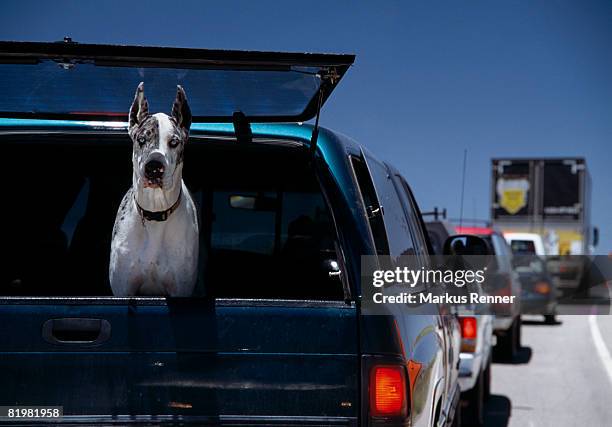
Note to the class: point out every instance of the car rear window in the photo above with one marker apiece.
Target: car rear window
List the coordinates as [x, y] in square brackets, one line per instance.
[265, 228]
[523, 247]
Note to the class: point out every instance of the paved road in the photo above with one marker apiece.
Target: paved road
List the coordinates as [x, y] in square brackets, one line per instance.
[562, 377]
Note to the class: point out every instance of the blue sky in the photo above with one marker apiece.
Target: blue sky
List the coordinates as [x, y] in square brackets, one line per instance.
[432, 78]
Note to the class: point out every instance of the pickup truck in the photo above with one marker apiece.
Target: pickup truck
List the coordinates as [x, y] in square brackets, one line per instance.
[476, 345]
[503, 279]
[273, 334]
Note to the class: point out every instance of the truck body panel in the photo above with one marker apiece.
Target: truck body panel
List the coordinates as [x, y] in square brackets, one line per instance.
[550, 197]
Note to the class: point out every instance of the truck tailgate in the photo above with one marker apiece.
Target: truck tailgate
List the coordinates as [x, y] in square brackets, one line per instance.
[233, 361]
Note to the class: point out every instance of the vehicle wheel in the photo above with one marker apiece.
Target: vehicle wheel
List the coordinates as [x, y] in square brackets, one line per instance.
[473, 413]
[550, 319]
[507, 344]
[486, 381]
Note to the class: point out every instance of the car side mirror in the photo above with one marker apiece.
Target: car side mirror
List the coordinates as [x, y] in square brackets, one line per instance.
[468, 250]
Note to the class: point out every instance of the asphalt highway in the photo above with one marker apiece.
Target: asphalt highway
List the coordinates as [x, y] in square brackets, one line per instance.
[561, 377]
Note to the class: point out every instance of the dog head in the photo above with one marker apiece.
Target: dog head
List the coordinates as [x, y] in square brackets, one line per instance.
[158, 142]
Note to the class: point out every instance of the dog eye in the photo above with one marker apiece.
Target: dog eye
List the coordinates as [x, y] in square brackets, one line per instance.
[141, 140]
[174, 142]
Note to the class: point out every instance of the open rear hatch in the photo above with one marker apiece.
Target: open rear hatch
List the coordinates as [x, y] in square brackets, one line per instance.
[122, 360]
[67, 80]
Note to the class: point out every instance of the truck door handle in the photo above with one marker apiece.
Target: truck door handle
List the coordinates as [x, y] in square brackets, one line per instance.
[76, 331]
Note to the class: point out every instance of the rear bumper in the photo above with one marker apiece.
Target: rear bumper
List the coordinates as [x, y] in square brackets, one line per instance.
[567, 285]
[470, 366]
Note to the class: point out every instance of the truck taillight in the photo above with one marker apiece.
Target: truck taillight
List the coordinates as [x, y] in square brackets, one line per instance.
[469, 328]
[469, 333]
[542, 288]
[388, 387]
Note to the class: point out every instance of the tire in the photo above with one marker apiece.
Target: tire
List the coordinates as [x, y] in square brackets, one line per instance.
[473, 413]
[508, 344]
[486, 381]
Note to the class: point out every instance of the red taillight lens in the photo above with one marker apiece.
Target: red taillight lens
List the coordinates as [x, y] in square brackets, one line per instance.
[469, 328]
[388, 391]
[542, 288]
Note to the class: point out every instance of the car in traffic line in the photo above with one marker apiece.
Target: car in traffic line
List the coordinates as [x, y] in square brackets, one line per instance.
[502, 279]
[539, 291]
[274, 333]
[476, 341]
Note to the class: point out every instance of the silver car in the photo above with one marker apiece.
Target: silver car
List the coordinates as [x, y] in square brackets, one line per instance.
[476, 343]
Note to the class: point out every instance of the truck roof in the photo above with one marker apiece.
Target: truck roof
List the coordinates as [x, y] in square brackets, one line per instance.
[557, 158]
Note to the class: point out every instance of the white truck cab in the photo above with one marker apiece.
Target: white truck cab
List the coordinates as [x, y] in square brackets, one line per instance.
[526, 243]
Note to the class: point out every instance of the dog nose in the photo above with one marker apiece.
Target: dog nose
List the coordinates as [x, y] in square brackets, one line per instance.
[154, 169]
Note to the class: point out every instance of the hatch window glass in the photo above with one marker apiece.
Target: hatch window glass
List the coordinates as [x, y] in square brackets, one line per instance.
[265, 227]
[86, 88]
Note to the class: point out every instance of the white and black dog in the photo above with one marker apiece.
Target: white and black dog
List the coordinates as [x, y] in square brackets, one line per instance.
[154, 249]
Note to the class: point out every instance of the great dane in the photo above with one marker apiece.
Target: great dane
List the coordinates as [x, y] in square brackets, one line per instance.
[154, 249]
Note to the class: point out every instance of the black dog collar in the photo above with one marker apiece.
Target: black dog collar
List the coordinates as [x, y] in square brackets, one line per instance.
[158, 215]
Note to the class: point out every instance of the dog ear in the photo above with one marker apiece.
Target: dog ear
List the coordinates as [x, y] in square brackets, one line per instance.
[139, 110]
[181, 111]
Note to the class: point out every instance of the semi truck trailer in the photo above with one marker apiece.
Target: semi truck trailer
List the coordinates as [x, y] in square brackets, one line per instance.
[552, 198]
